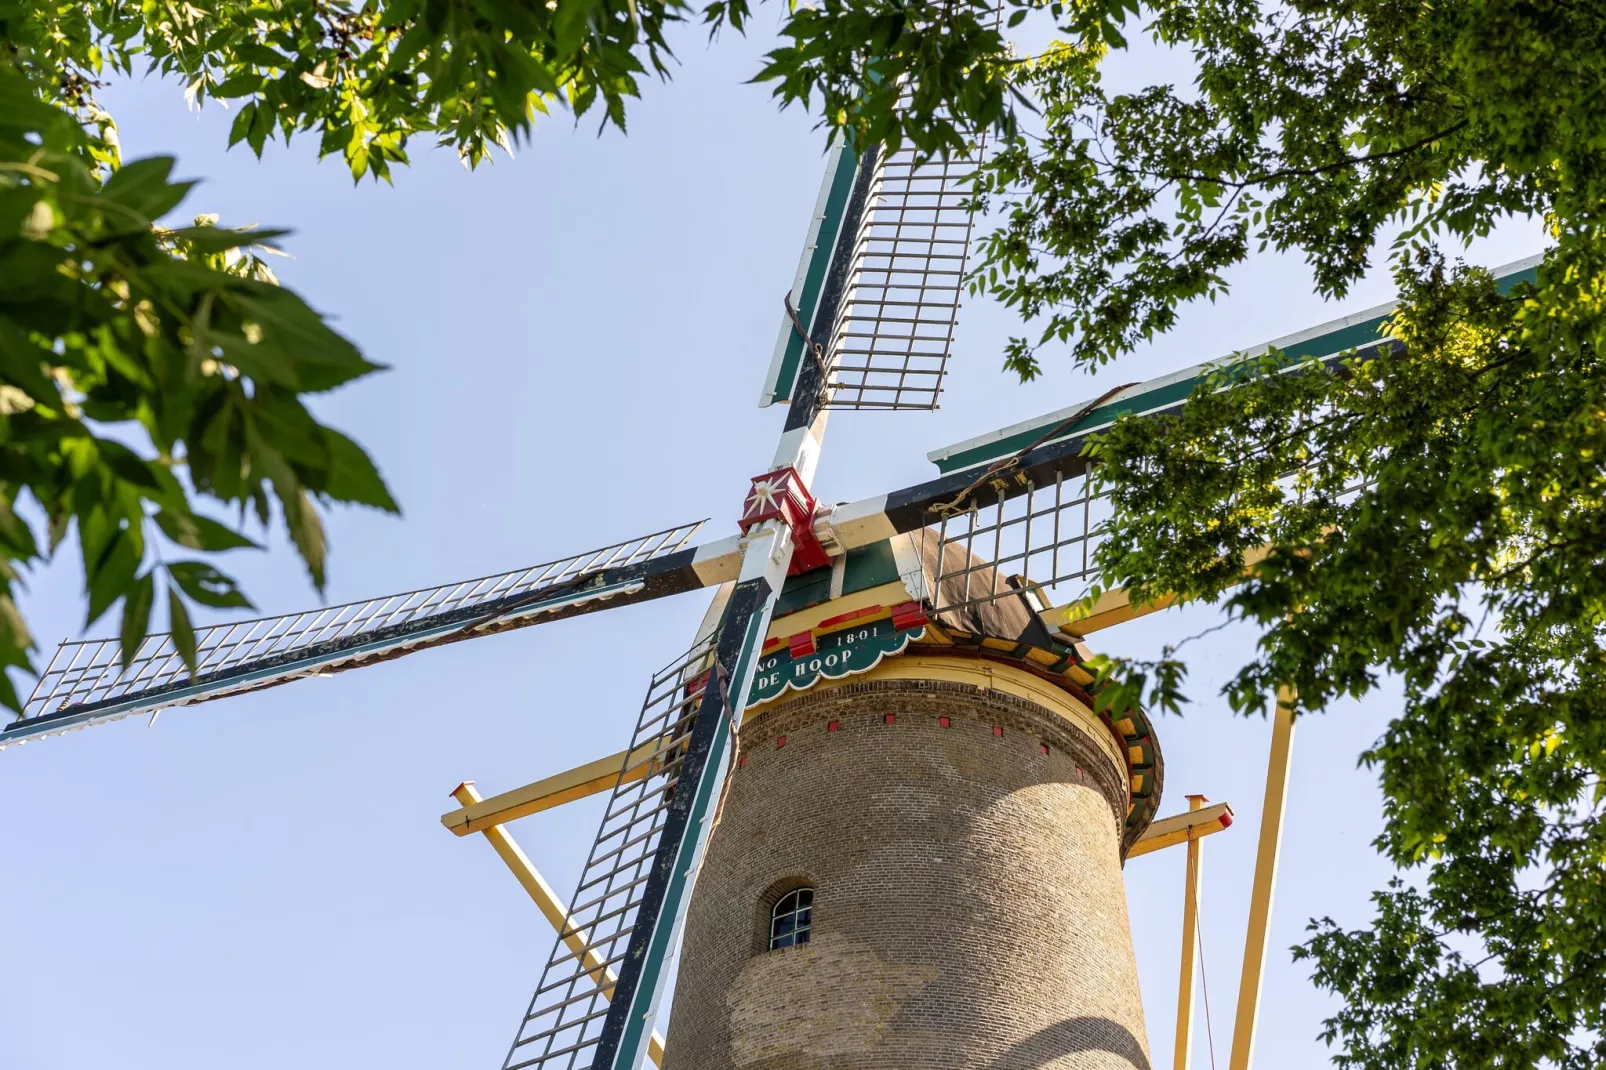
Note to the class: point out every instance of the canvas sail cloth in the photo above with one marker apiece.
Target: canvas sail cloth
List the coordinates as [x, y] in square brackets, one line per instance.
[967, 594]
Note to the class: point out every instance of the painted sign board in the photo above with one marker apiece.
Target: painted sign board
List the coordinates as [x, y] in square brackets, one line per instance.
[844, 653]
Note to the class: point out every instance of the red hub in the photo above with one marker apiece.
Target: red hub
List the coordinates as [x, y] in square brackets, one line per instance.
[781, 495]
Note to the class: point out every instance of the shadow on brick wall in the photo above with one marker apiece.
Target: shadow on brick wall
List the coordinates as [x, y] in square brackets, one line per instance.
[1047, 1046]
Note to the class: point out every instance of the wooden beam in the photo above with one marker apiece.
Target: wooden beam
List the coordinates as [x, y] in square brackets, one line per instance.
[547, 901]
[1115, 607]
[1182, 828]
[1271, 828]
[577, 783]
[1183, 1052]
[1112, 608]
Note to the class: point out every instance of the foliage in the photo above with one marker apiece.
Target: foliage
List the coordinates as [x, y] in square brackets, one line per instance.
[143, 366]
[369, 77]
[1435, 512]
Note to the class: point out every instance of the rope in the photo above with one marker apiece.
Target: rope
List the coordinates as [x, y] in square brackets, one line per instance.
[1008, 463]
[814, 348]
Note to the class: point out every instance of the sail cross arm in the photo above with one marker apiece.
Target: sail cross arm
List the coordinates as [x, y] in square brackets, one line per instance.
[1020, 515]
[86, 683]
[1357, 334]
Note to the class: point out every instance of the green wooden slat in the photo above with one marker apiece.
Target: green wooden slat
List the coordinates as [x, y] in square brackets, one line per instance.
[824, 246]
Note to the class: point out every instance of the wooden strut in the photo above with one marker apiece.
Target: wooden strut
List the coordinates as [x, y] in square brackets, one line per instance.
[1271, 827]
[1190, 943]
[545, 899]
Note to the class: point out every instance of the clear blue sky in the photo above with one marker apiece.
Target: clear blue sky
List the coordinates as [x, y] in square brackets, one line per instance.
[576, 338]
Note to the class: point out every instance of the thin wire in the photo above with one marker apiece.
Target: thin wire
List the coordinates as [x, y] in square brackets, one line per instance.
[1204, 979]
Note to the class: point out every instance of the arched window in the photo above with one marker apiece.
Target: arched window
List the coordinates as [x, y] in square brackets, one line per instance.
[792, 918]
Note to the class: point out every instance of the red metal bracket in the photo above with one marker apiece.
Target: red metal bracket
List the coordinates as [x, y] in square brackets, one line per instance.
[781, 495]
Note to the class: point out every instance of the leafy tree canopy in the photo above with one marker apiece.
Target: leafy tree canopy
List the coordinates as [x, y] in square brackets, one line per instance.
[1434, 512]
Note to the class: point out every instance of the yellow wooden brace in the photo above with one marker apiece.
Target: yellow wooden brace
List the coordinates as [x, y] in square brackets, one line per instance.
[545, 899]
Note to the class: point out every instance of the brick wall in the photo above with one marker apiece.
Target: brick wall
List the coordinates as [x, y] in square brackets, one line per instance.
[969, 910]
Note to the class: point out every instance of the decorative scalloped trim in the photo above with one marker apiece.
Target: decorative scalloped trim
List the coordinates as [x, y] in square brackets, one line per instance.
[905, 638]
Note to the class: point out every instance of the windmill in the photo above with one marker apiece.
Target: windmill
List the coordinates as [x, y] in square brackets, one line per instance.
[868, 324]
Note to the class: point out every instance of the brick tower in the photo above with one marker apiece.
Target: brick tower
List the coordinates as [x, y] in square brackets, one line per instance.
[953, 821]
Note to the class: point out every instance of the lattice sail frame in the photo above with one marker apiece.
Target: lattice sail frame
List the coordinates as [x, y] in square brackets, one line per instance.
[90, 673]
[563, 1024]
[890, 346]
[1010, 536]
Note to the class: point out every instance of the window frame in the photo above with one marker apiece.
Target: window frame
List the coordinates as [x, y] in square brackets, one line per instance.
[789, 906]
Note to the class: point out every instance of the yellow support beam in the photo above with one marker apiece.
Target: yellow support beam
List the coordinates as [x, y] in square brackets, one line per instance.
[547, 901]
[577, 783]
[1271, 828]
[1182, 828]
[1112, 608]
[1183, 1054]
[1115, 607]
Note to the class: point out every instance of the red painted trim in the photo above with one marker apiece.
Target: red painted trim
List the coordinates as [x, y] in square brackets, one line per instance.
[801, 645]
[845, 618]
[1226, 820]
[908, 615]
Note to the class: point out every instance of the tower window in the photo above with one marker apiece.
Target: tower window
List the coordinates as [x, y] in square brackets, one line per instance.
[792, 918]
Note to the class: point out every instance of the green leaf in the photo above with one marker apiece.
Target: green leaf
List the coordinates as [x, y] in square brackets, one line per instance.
[183, 633]
[261, 127]
[142, 190]
[127, 464]
[23, 363]
[306, 528]
[15, 536]
[113, 575]
[241, 128]
[298, 348]
[352, 475]
[240, 85]
[207, 585]
[196, 532]
[137, 615]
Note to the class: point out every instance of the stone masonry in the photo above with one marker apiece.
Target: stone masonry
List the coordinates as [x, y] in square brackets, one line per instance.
[969, 912]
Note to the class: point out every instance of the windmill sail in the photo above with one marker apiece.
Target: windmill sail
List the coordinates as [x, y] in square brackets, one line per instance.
[895, 327]
[633, 890]
[86, 682]
[564, 1022]
[880, 280]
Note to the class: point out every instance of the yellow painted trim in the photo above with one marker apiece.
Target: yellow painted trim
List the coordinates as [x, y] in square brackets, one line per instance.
[806, 620]
[1180, 828]
[990, 675]
[577, 783]
[547, 901]
[1271, 828]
